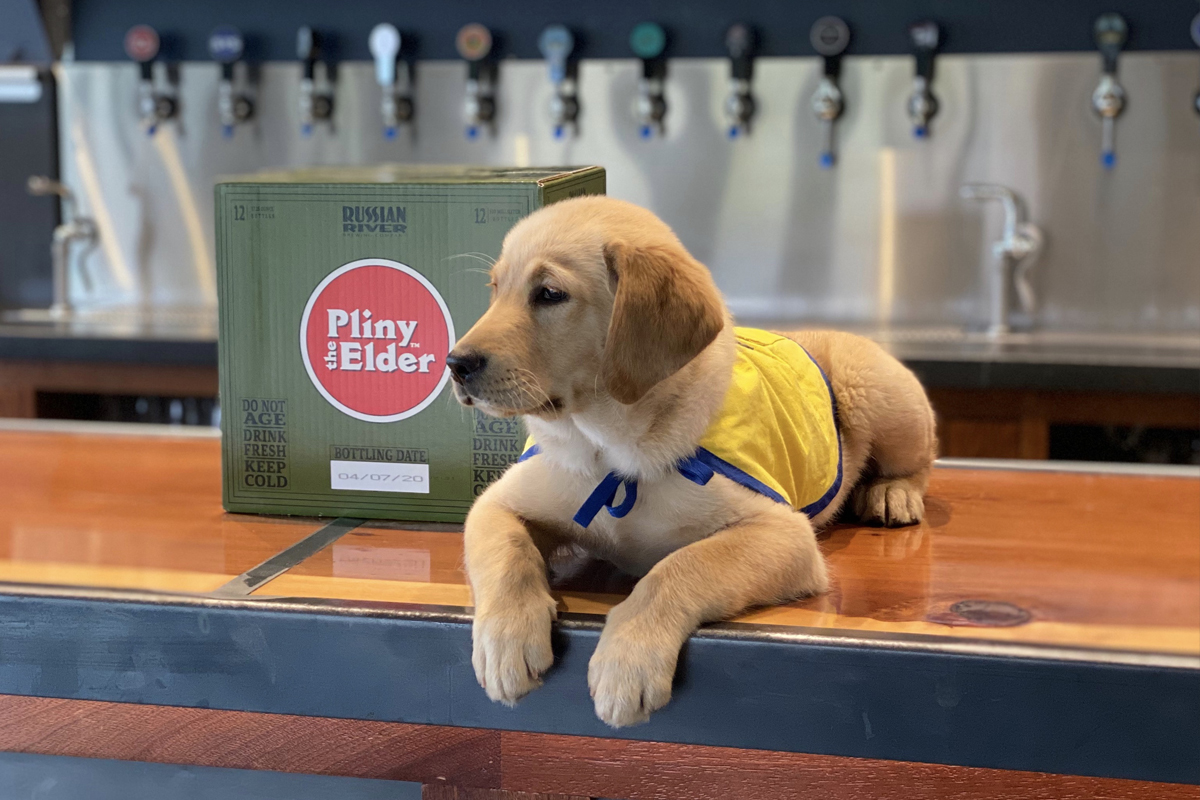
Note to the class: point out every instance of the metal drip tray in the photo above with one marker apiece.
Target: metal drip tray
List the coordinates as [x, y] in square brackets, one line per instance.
[1067, 347]
[116, 322]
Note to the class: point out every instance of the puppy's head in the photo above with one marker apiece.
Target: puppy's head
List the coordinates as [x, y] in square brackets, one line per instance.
[590, 297]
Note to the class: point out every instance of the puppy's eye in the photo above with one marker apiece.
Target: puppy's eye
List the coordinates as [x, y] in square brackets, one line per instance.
[546, 296]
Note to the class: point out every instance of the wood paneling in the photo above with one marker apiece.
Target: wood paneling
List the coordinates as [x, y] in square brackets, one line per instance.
[20, 381]
[459, 793]
[242, 740]
[1015, 423]
[554, 766]
[662, 771]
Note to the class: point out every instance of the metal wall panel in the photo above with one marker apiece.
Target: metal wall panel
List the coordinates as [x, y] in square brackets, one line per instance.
[883, 237]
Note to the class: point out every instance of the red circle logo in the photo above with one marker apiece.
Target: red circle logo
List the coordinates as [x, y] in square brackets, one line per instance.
[374, 337]
[141, 43]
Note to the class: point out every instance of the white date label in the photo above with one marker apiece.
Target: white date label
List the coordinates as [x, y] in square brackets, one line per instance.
[374, 476]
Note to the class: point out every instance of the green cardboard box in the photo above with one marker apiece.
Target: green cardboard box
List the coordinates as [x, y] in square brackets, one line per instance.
[341, 293]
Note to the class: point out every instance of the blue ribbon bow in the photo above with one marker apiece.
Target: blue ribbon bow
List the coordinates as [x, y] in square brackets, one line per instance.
[605, 493]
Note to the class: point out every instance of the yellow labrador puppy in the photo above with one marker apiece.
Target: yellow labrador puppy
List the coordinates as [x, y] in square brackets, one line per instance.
[699, 456]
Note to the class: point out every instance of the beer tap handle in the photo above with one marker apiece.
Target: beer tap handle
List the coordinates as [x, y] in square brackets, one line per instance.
[830, 36]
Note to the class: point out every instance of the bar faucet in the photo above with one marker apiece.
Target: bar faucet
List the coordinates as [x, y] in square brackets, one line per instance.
[1014, 254]
[474, 44]
[1108, 100]
[154, 107]
[556, 43]
[829, 36]
[741, 41]
[234, 106]
[72, 229]
[648, 40]
[396, 106]
[316, 104]
[922, 103]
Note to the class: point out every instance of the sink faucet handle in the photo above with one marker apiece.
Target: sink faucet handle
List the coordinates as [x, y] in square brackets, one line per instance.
[44, 186]
[1014, 208]
[1029, 243]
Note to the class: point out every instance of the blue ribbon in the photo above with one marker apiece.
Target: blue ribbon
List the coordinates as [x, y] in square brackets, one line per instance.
[603, 496]
[605, 493]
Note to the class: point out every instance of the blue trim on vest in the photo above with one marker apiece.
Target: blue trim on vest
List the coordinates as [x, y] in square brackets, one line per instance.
[714, 463]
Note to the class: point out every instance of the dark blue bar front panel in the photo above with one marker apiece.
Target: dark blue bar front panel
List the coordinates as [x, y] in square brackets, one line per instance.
[695, 29]
[38, 777]
[1042, 715]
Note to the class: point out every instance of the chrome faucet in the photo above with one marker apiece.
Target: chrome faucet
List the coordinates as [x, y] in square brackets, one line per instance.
[72, 229]
[1015, 254]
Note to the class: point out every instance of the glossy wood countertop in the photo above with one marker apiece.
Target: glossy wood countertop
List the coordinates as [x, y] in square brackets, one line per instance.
[1091, 560]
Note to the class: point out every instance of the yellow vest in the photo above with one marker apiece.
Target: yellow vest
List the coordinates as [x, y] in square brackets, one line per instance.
[776, 433]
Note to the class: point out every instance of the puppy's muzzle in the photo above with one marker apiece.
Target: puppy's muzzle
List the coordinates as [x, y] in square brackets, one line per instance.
[466, 365]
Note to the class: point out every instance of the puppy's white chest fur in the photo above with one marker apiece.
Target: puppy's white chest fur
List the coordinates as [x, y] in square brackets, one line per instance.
[670, 513]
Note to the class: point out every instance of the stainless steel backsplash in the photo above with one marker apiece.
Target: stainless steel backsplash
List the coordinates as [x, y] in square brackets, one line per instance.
[882, 237]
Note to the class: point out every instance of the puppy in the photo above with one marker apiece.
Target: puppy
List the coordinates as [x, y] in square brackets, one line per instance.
[699, 457]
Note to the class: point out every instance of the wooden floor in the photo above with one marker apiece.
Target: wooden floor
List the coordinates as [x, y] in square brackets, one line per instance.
[1057, 558]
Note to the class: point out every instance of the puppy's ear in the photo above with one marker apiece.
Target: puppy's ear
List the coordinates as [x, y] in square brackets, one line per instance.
[666, 311]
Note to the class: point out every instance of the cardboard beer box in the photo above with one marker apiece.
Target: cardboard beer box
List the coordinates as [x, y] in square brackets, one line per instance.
[341, 294]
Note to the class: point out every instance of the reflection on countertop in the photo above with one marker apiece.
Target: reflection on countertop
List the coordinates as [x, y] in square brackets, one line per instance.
[1089, 558]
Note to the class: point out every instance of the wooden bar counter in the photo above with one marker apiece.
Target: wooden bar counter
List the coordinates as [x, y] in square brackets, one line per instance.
[1038, 635]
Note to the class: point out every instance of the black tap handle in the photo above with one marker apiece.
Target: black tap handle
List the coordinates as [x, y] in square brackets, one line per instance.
[742, 43]
[308, 49]
[1111, 32]
[654, 68]
[830, 36]
[926, 38]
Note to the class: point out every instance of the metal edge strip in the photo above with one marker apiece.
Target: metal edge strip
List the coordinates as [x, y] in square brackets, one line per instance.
[734, 631]
[285, 559]
[1084, 467]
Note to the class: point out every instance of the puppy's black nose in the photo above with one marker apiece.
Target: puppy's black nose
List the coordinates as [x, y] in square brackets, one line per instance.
[465, 365]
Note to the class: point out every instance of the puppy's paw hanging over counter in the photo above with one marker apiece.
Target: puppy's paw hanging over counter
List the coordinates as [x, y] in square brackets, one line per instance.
[631, 671]
[511, 648]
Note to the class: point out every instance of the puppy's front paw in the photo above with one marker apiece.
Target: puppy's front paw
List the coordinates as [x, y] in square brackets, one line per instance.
[511, 648]
[631, 671]
[890, 501]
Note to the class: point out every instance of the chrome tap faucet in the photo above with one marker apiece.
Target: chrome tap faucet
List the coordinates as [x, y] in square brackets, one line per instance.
[474, 43]
[1108, 99]
[648, 40]
[830, 36]
[923, 103]
[556, 43]
[742, 43]
[1014, 254]
[72, 229]
[142, 44]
